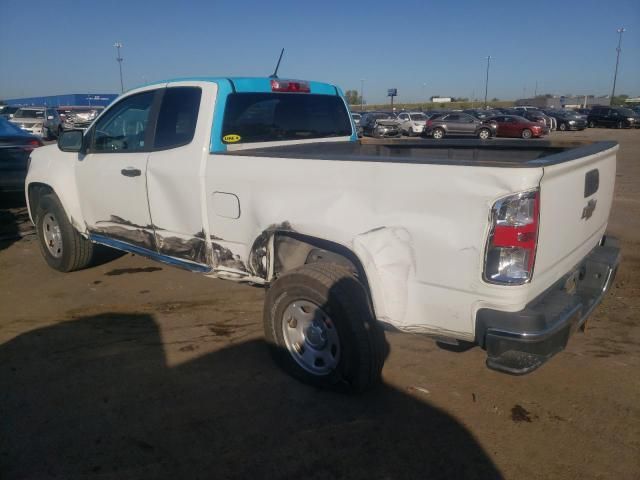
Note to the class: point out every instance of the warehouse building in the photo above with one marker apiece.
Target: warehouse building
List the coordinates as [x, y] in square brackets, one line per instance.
[72, 99]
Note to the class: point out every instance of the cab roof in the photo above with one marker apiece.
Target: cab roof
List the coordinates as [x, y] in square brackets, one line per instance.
[252, 84]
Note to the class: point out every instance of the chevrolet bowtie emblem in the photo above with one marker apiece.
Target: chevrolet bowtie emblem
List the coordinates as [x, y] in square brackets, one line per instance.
[588, 210]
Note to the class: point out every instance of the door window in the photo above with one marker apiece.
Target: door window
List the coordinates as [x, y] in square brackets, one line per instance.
[124, 127]
[177, 118]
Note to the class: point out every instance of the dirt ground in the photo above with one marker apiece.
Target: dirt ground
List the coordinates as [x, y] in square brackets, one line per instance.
[132, 369]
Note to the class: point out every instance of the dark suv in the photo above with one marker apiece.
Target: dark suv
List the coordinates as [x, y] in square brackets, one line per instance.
[618, 117]
[458, 123]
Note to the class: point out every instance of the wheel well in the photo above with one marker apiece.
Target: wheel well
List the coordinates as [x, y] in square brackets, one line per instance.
[292, 250]
[36, 191]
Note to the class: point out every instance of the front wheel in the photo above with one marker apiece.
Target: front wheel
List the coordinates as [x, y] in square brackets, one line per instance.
[592, 124]
[484, 134]
[526, 133]
[63, 248]
[321, 329]
[562, 127]
[620, 125]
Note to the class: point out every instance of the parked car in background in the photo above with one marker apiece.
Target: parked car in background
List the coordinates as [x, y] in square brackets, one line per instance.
[540, 117]
[7, 111]
[15, 147]
[356, 121]
[440, 126]
[569, 120]
[412, 123]
[583, 111]
[42, 121]
[516, 126]
[78, 117]
[618, 117]
[481, 114]
[379, 124]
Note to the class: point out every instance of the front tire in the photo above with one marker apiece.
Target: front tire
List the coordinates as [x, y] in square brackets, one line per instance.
[526, 134]
[592, 124]
[562, 127]
[321, 329]
[63, 248]
[484, 134]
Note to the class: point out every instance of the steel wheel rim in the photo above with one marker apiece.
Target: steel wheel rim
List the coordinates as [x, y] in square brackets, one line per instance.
[311, 337]
[526, 134]
[437, 134]
[52, 235]
[484, 134]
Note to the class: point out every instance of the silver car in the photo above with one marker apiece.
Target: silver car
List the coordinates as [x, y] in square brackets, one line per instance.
[44, 122]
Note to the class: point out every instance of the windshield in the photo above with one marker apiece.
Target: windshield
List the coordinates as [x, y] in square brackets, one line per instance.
[24, 113]
[270, 117]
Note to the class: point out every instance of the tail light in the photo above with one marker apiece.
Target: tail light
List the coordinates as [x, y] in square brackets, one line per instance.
[31, 144]
[511, 249]
[291, 86]
[429, 123]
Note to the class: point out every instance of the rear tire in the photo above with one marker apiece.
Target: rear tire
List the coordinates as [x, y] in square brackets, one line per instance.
[63, 248]
[592, 124]
[484, 134]
[438, 133]
[562, 127]
[321, 330]
[526, 134]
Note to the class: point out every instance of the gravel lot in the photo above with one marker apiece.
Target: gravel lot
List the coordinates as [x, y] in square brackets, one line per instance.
[132, 369]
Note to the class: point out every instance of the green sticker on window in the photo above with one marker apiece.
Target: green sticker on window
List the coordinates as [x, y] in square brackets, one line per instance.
[233, 138]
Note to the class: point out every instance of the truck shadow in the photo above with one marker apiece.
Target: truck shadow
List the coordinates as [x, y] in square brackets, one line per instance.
[96, 396]
[14, 219]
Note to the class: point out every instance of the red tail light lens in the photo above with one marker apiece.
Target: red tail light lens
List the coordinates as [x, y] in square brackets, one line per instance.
[429, 123]
[291, 86]
[31, 144]
[511, 249]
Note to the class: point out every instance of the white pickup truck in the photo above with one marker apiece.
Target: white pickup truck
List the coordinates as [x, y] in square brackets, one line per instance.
[263, 181]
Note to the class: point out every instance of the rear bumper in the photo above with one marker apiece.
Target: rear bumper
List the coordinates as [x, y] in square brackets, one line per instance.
[520, 342]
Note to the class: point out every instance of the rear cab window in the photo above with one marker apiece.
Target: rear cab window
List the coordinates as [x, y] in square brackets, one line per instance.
[273, 117]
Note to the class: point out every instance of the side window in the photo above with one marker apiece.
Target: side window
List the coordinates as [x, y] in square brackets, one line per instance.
[177, 118]
[403, 117]
[453, 118]
[124, 126]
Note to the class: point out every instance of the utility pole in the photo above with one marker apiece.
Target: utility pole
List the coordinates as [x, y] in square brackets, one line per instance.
[361, 95]
[118, 46]
[615, 75]
[486, 83]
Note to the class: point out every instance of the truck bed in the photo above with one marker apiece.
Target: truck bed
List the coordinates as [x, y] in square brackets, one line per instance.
[493, 153]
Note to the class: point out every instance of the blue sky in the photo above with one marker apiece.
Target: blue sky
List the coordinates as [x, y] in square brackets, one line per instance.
[420, 47]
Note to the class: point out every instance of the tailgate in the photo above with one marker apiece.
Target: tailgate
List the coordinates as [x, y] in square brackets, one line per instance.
[575, 200]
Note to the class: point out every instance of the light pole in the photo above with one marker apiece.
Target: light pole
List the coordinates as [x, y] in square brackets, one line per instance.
[424, 84]
[361, 95]
[486, 82]
[615, 75]
[118, 46]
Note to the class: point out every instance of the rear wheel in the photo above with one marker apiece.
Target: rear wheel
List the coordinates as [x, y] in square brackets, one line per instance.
[321, 329]
[484, 134]
[620, 125]
[526, 133]
[562, 127]
[592, 124]
[438, 133]
[63, 248]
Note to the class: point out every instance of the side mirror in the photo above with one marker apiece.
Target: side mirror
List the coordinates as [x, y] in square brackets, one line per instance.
[71, 141]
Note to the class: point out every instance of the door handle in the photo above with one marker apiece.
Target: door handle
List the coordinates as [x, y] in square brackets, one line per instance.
[131, 172]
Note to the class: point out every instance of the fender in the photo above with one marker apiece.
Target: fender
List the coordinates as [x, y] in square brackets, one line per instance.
[56, 169]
